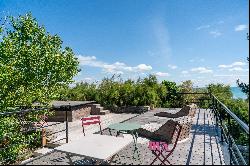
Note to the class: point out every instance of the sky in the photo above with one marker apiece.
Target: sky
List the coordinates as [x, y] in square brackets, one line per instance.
[200, 40]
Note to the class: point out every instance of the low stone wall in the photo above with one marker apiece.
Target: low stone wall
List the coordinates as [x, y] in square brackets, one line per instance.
[131, 109]
[80, 112]
[74, 114]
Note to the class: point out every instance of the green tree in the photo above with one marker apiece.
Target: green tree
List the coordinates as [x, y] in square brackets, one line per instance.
[243, 86]
[33, 64]
[172, 95]
[221, 91]
[33, 67]
[187, 87]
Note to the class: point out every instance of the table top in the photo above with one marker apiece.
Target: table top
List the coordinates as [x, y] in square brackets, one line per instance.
[96, 146]
[124, 126]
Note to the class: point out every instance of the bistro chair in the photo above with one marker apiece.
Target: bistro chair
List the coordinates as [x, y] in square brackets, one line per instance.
[89, 121]
[167, 134]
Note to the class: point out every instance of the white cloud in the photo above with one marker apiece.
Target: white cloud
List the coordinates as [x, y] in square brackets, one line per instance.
[203, 27]
[184, 72]
[230, 75]
[161, 74]
[87, 78]
[232, 65]
[201, 70]
[90, 61]
[143, 67]
[115, 68]
[215, 33]
[172, 66]
[238, 69]
[241, 27]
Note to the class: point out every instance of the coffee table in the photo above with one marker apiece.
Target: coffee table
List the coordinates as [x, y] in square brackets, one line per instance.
[126, 128]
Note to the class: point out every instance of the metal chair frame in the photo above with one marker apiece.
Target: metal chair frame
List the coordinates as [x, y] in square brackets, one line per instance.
[159, 152]
[89, 121]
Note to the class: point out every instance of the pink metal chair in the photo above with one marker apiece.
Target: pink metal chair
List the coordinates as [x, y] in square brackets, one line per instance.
[158, 149]
[89, 121]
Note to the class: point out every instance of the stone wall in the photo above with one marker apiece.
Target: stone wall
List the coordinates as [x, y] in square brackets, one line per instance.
[75, 114]
[80, 112]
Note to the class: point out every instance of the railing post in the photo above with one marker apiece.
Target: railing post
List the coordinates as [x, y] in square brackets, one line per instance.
[216, 113]
[229, 138]
[67, 125]
[211, 99]
[44, 140]
[220, 118]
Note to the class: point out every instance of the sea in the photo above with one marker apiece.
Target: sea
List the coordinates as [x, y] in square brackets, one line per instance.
[237, 93]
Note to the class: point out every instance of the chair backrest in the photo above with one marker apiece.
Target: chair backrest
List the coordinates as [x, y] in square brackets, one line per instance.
[169, 133]
[91, 120]
[193, 110]
[166, 131]
[184, 111]
[176, 134]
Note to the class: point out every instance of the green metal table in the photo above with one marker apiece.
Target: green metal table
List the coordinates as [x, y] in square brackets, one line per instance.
[126, 128]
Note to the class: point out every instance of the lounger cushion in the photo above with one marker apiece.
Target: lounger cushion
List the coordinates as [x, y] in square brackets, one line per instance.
[183, 112]
[164, 133]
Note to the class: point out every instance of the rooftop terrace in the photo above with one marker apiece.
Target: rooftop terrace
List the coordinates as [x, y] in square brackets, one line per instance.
[203, 146]
[215, 136]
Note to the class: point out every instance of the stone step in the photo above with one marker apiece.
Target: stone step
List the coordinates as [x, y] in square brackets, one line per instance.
[104, 112]
[96, 105]
[96, 111]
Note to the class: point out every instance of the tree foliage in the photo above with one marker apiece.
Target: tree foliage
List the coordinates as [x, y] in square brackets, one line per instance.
[243, 86]
[172, 94]
[114, 92]
[221, 91]
[33, 67]
[33, 64]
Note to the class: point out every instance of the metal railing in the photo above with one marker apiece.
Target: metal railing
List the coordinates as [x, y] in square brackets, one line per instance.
[233, 132]
[19, 129]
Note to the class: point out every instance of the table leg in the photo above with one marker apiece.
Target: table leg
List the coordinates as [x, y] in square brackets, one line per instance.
[112, 158]
[110, 132]
[135, 136]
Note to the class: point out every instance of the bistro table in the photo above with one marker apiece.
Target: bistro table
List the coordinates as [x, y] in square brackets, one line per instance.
[126, 128]
[97, 147]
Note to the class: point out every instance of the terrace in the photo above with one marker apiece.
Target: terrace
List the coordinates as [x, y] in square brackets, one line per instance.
[210, 139]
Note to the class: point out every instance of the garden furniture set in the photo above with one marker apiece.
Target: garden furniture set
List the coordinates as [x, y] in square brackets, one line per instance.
[101, 147]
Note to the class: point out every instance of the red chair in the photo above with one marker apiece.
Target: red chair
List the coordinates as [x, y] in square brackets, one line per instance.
[89, 121]
[164, 148]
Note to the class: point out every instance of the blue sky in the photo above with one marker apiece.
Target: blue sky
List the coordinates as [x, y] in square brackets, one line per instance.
[201, 40]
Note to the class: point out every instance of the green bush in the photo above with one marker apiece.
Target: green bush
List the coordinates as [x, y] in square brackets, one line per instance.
[33, 67]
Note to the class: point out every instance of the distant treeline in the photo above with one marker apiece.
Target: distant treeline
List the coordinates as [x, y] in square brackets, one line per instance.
[115, 92]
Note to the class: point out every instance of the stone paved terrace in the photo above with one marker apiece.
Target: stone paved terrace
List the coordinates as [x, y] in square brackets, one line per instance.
[75, 129]
[201, 148]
